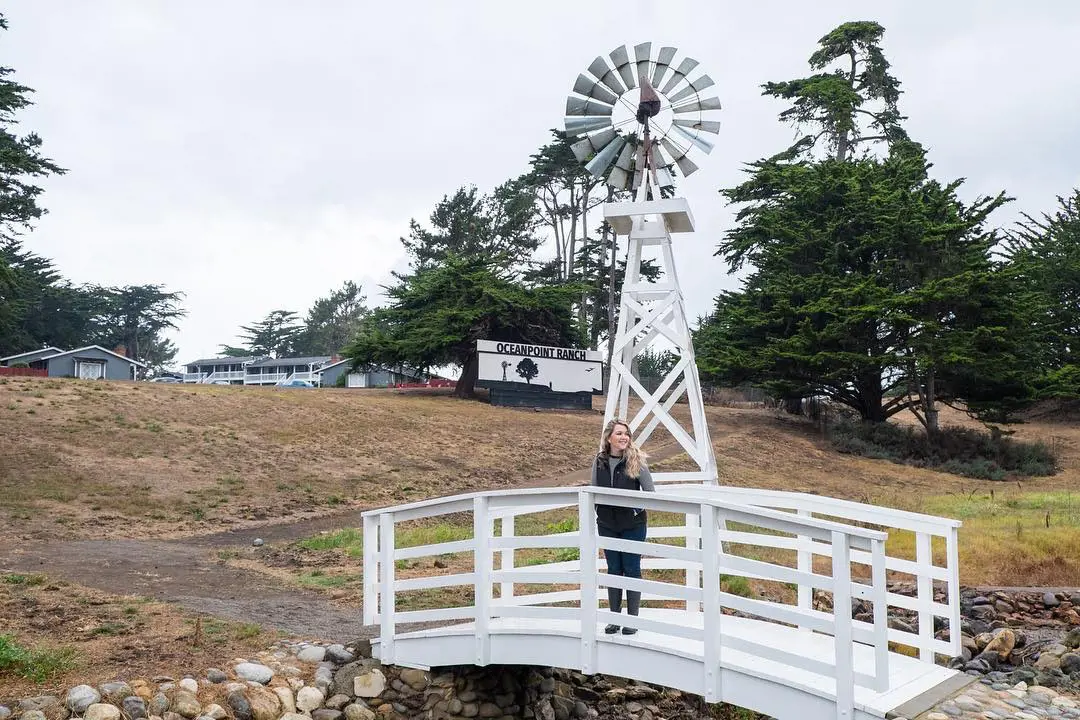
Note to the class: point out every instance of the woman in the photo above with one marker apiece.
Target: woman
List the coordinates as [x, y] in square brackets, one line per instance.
[621, 464]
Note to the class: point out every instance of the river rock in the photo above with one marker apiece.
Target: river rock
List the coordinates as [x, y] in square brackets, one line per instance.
[265, 704]
[216, 676]
[115, 692]
[5, 712]
[159, 704]
[45, 703]
[255, 672]
[339, 655]
[357, 712]
[32, 715]
[215, 712]
[327, 714]
[189, 684]
[185, 703]
[241, 708]
[311, 654]
[134, 707]
[309, 698]
[102, 711]
[81, 697]
[1002, 643]
[370, 684]
[288, 700]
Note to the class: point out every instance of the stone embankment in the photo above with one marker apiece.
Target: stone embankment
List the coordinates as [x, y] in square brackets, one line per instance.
[302, 681]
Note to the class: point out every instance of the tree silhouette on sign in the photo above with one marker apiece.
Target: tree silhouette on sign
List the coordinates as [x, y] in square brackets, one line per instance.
[527, 369]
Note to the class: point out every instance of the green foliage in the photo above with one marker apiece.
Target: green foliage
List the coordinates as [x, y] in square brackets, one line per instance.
[21, 165]
[656, 363]
[435, 316]
[37, 664]
[272, 336]
[332, 321]
[853, 103]
[872, 284]
[957, 450]
[1045, 254]
[20, 579]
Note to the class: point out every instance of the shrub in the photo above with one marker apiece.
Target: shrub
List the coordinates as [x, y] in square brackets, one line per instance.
[957, 450]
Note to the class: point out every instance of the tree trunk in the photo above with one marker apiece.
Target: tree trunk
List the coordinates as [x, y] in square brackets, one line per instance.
[466, 384]
[929, 403]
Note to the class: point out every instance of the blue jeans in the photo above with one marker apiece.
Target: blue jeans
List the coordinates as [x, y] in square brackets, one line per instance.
[623, 563]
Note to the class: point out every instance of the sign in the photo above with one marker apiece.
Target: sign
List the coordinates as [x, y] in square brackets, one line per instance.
[539, 368]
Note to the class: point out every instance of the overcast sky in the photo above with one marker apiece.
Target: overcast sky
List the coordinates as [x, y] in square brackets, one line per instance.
[256, 154]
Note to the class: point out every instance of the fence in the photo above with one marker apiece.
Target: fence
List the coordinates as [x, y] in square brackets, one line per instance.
[23, 372]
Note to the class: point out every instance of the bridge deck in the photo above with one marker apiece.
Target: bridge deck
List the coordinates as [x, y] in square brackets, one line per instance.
[671, 660]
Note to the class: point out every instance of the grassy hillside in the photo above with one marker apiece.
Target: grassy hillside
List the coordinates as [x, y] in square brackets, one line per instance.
[102, 459]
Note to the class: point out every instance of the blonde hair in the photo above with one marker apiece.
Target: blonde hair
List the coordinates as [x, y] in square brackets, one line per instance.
[635, 456]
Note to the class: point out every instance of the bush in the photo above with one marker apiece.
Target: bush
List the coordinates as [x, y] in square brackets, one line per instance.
[957, 450]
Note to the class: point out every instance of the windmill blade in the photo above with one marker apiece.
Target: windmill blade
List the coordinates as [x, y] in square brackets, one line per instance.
[693, 88]
[681, 72]
[625, 156]
[709, 126]
[591, 88]
[663, 62]
[643, 53]
[664, 178]
[619, 179]
[604, 74]
[712, 103]
[687, 166]
[676, 152]
[580, 106]
[621, 61]
[581, 125]
[698, 142]
[584, 149]
[602, 159]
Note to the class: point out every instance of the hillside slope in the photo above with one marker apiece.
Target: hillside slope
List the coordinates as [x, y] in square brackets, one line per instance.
[92, 460]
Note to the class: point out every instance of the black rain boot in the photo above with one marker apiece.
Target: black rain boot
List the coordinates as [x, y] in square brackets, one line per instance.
[614, 599]
[633, 604]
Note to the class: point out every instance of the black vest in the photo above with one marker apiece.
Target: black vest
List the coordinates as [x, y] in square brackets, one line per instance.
[615, 518]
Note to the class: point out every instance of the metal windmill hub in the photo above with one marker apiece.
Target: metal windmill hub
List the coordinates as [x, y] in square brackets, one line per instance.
[628, 98]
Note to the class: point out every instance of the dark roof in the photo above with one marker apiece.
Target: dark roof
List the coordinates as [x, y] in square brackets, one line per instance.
[279, 362]
[32, 352]
[224, 360]
[96, 347]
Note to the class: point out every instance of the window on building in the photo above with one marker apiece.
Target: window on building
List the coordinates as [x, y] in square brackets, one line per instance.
[90, 369]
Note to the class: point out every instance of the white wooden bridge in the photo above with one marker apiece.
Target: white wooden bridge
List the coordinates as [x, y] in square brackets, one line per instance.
[785, 659]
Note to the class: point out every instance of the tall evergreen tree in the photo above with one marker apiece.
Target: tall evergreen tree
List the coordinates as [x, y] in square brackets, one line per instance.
[872, 283]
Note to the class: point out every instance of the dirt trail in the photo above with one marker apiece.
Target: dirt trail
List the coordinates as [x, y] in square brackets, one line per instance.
[187, 571]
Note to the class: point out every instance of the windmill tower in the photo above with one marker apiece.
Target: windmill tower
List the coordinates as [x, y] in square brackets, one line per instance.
[638, 120]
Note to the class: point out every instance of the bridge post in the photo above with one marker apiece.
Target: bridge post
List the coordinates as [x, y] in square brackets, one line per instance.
[386, 587]
[710, 587]
[587, 570]
[693, 576]
[371, 569]
[880, 599]
[506, 557]
[845, 665]
[805, 564]
[925, 594]
[482, 578]
[952, 562]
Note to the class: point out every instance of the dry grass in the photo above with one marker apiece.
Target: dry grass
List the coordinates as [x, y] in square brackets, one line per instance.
[160, 460]
[102, 638]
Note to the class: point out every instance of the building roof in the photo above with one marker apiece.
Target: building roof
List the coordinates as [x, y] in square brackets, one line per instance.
[30, 352]
[282, 361]
[95, 347]
[400, 369]
[226, 360]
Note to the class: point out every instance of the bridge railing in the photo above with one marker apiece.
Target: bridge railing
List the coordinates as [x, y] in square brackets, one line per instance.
[575, 595]
[922, 531]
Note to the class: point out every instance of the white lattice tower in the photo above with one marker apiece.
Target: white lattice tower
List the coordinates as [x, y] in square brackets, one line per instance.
[649, 311]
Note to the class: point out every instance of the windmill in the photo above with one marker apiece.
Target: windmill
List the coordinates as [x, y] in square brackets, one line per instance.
[638, 120]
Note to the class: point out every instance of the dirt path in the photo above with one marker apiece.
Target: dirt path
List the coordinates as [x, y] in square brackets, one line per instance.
[187, 572]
